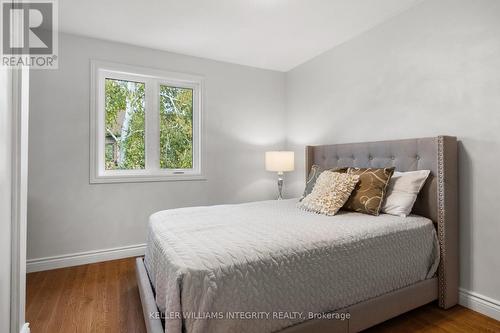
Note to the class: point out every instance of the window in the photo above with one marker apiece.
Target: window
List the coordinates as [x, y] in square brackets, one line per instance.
[146, 124]
[176, 127]
[124, 125]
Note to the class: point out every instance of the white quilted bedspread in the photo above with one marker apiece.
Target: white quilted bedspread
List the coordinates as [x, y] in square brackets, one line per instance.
[269, 257]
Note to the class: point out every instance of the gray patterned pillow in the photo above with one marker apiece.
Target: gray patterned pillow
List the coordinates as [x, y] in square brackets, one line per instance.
[311, 179]
[330, 193]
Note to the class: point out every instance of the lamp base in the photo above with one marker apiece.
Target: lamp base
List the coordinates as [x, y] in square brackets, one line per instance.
[280, 186]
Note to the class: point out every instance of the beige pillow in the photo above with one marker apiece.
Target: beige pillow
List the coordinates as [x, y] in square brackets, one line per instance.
[331, 191]
[313, 176]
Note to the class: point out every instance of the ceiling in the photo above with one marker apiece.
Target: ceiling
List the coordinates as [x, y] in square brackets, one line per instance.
[271, 34]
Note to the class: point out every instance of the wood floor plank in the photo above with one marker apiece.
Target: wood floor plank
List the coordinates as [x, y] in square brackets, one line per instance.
[99, 315]
[34, 283]
[49, 297]
[61, 305]
[71, 316]
[103, 297]
[113, 300]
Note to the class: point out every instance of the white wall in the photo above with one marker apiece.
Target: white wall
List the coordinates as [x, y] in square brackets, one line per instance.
[244, 111]
[5, 198]
[433, 70]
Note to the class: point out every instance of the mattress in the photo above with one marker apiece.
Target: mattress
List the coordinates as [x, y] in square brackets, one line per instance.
[264, 266]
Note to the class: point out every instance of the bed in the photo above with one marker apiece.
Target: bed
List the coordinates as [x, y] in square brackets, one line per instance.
[270, 267]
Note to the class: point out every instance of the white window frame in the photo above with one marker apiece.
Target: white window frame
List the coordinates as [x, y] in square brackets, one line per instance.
[152, 78]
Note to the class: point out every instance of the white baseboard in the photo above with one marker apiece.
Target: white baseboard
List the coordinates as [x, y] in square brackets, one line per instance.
[82, 258]
[488, 306]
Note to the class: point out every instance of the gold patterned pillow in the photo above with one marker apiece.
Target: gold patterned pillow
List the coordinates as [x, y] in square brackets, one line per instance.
[331, 191]
[369, 193]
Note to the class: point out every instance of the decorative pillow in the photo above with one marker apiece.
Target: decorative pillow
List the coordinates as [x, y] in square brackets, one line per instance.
[330, 193]
[311, 179]
[369, 193]
[402, 192]
[314, 173]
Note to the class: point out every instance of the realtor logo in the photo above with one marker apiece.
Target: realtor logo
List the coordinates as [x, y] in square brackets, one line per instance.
[29, 33]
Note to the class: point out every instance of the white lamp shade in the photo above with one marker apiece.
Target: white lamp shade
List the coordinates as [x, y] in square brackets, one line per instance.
[280, 161]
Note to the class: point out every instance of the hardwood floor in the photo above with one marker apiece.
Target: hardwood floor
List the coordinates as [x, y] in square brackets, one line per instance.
[103, 297]
[430, 318]
[100, 297]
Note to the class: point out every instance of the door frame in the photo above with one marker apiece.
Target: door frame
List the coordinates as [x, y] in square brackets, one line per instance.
[19, 192]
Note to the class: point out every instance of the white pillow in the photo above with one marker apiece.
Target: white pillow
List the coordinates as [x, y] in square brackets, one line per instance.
[402, 192]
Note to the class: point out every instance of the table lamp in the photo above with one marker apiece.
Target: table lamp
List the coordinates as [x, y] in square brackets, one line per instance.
[280, 161]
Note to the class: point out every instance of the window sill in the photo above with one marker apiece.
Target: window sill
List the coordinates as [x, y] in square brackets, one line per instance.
[145, 178]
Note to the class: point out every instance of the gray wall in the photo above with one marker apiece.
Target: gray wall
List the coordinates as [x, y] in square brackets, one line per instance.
[433, 70]
[5, 198]
[244, 111]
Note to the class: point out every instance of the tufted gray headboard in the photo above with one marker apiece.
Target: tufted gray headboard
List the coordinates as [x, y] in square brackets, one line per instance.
[438, 200]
